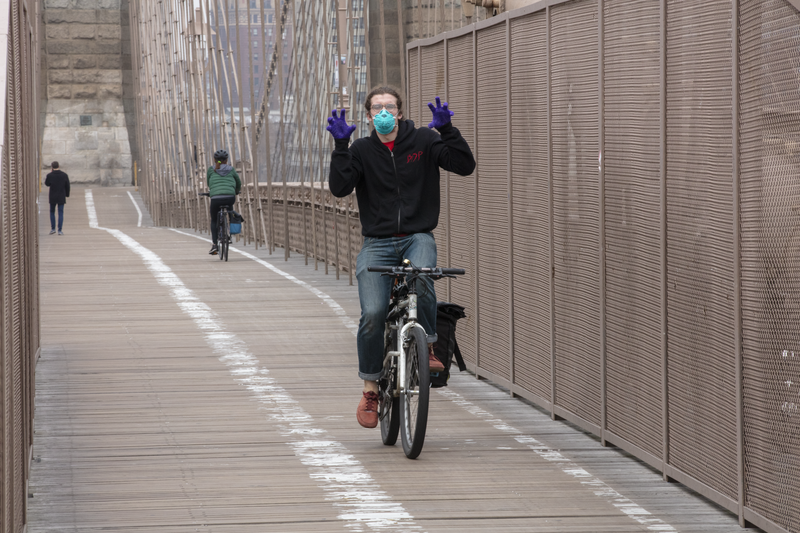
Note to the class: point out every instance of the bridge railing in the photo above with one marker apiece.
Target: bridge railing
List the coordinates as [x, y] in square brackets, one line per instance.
[630, 233]
[319, 226]
[19, 258]
[632, 230]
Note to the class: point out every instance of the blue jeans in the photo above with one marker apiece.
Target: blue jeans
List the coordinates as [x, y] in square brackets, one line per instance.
[374, 292]
[53, 216]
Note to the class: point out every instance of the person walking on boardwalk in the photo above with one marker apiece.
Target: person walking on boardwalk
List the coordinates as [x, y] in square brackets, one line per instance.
[395, 173]
[58, 181]
[223, 186]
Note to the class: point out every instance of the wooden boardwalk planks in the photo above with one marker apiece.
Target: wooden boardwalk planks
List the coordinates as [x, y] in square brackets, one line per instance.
[141, 427]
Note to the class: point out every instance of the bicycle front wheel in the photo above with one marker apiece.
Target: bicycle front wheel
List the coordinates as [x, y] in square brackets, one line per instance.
[389, 406]
[414, 400]
[389, 415]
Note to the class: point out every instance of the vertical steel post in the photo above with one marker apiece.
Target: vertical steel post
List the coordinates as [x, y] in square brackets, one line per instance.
[663, 237]
[737, 261]
[602, 214]
[328, 96]
[253, 199]
[308, 190]
[475, 217]
[510, 186]
[340, 35]
[282, 136]
[264, 110]
[321, 90]
[351, 71]
[267, 127]
[550, 216]
[447, 174]
[298, 100]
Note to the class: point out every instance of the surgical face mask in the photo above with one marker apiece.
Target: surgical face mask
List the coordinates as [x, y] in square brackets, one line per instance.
[384, 122]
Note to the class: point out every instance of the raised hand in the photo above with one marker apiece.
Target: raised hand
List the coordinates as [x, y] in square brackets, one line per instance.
[338, 126]
[441, 115]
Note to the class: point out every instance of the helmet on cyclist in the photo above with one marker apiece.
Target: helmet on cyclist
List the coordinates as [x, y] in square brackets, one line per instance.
[220, 155]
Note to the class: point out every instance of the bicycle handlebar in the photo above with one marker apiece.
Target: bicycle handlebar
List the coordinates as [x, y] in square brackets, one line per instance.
[401, 270]
[204, 194]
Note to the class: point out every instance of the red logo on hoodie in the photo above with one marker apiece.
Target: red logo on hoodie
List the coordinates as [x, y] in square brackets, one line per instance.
[413, 158]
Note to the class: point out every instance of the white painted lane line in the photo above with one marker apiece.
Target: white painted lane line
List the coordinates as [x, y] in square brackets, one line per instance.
[600, 488]
[90, 209]
[345, 480]
[139, 224]
[349, 323]
[625, 505]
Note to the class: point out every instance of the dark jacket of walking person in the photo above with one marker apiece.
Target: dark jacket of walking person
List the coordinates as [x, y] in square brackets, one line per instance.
[58, 181]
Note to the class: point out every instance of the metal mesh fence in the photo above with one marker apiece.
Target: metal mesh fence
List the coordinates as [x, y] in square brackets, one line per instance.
[493, 259]
[19, 272]
[462, 219]
[638, 135]
[531, 205]
[770, 203]
[702, 384]
[630, 232]
[576, 209]
[632, 194]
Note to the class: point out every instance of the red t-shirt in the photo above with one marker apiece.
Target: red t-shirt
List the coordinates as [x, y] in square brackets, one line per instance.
[390, 145]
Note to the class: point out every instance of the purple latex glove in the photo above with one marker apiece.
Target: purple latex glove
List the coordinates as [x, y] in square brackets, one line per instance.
[441, 115]
[338, 126]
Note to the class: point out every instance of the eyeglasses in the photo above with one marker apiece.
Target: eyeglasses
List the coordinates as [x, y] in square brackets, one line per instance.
[391, 108]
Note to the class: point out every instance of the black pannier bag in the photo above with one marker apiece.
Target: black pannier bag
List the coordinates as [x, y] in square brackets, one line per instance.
[447, 314]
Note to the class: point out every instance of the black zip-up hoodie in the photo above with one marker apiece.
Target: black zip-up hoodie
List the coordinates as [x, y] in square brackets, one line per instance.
[398, 191]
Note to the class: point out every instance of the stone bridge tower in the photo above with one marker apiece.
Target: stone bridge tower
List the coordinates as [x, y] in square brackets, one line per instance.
[88, 115]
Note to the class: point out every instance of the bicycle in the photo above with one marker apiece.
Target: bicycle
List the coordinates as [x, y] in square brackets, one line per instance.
[223, 229]
[404, 385]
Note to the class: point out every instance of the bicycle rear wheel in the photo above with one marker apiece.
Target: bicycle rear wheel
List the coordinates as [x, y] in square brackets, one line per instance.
[224, 236]
[414, 401]
[389, 405]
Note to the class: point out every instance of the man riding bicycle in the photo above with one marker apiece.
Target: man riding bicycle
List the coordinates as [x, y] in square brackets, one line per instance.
[395, 173]
[223, 186]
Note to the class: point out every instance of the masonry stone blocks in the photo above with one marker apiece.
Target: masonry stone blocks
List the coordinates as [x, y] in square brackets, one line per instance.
[88, 113]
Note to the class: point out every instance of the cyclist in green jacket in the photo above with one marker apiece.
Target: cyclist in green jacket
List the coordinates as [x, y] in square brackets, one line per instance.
[223, 186]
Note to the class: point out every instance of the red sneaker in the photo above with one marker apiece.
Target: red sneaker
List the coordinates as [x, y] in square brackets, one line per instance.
[367, 412]
[433, 363]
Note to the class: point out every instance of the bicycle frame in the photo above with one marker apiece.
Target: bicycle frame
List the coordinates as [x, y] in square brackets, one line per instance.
[410, 305]
[404, 385]
[406, 321]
